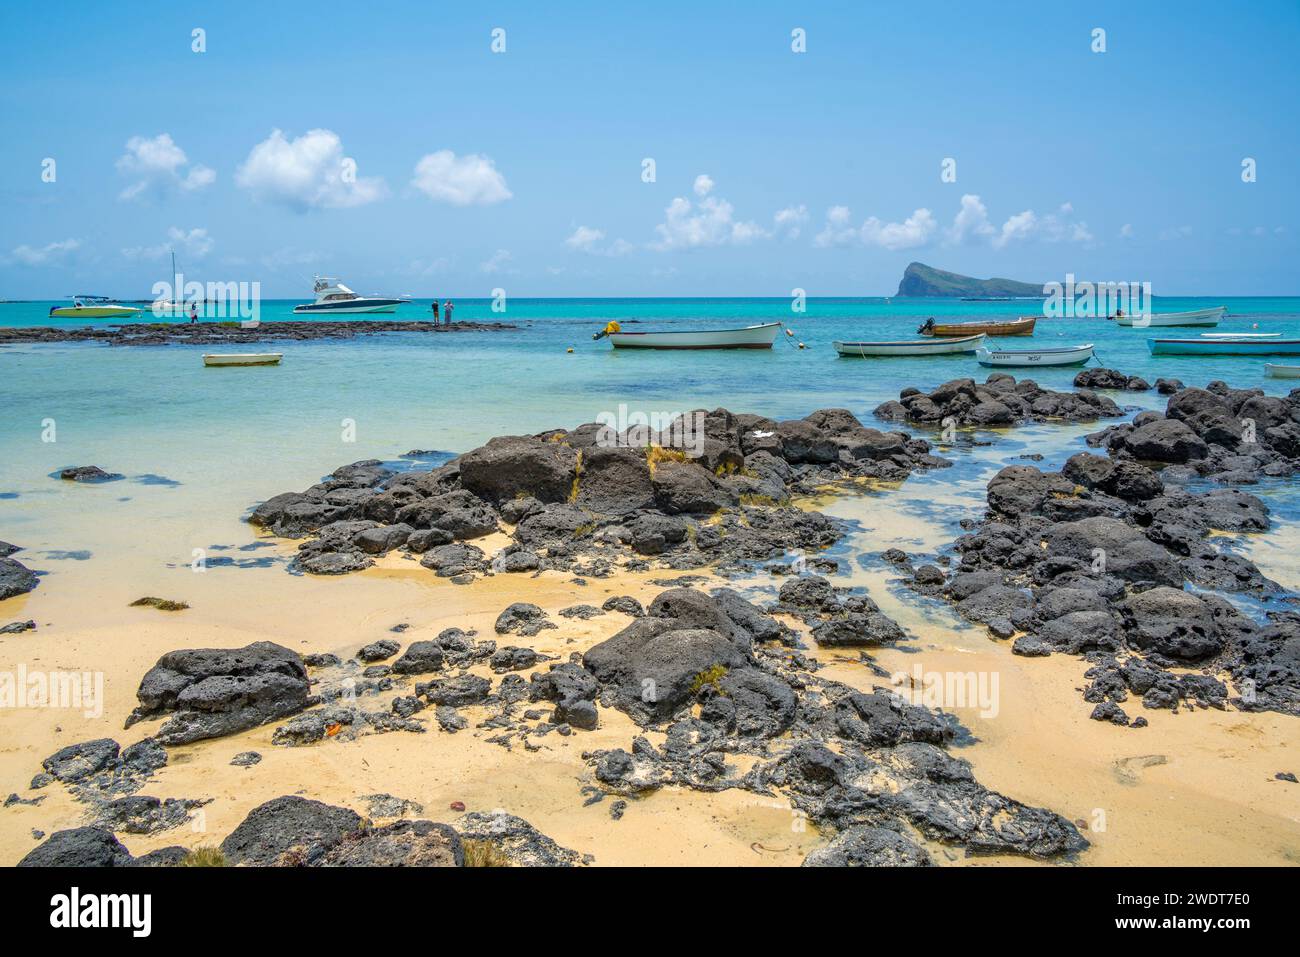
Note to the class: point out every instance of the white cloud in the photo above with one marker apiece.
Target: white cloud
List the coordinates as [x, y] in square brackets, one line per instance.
[496, 262]
[789, 222]
[1019, 226]
[837, 231]
[47, 255]
[710, 222]
[584, 238]
[1126, 231]
[971, 223]
[194, 244]
[587, 239]
[309, 172]
[1175, 232]
[470, 180]
[159, 166]
[914, 231]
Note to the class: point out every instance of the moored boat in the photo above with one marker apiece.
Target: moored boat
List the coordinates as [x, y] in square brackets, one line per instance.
[1024, 326]
[1196, 317]
[1225, 346]
[93, 307]
[1063, 356]
[747, 337]
[334, 298]
[1241, 335]
[243, 359]
[1276, 371]
[912, 347]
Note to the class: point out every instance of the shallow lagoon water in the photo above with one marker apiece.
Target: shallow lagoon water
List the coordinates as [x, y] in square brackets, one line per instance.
[224, 439]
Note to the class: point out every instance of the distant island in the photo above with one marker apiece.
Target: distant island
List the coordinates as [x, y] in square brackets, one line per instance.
[922, 280]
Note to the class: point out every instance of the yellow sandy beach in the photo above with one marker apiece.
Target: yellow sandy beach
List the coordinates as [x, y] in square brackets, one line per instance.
[1191, 789]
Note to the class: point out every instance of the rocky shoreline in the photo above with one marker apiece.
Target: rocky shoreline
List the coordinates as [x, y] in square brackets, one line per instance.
[231, 333]
[588, 501]
[1115, 558]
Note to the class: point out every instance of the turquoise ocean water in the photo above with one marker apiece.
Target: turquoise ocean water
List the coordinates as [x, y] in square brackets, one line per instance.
[232, 437]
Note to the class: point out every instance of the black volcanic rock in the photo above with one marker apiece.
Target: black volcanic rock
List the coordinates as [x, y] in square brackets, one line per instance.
[210, 692]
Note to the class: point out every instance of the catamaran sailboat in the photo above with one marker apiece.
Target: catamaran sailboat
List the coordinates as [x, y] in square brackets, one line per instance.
[334, 298]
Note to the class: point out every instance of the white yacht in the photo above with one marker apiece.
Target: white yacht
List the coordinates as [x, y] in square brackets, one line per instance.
[335, 298]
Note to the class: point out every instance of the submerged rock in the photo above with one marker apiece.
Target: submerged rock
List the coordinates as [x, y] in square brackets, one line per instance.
[87, 473]
[15, 578]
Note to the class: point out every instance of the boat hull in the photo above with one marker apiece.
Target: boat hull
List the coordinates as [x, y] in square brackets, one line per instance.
[369, 307]
[1011, 327]
[1275, 371]
[1073, 356]
[243, 359]
[918, 347]
[1197, 317]
[93, 312]
[750, 337]
[1224, 347]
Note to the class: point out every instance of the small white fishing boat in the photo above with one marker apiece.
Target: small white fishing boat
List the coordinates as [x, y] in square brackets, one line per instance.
[1276, 371]
[1241, 335]
[243, 359]
[93, 307]
[1196, 317]
[911, 347]
[1225, 346]
[1065, 356]
[748, 337]
[334, 298]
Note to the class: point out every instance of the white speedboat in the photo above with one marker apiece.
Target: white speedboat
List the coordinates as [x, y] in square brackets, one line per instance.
[1065, 356]
[243, 359]
[1197, 317]
[93, 307]
[747, 337]
[334, 298]
[911, 347]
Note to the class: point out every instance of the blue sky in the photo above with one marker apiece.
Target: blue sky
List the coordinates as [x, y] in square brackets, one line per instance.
[523, 169]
